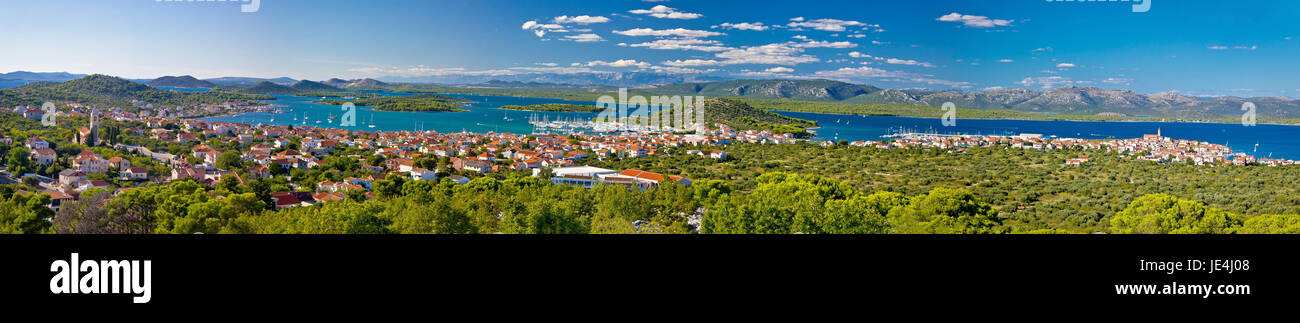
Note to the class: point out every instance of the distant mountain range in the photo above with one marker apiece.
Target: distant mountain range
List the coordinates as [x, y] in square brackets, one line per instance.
[108, 90]
[1065, 100]
[37, 76]
[623, 79]
[358, 83]
[247, 81]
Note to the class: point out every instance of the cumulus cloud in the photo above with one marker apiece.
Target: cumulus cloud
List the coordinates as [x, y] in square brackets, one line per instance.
[541, 29]
[825, 44]
[1047, 82]
[581, 20]
[974, 21]
[620, 63]
[1065, 65]
[694, 62]
[755, 26]
[826, 24]
[1117, 81]
[680, 70]
[584, 38]
[770, 54]
[679, 32]
[662, 11]
[779, 70]
[1005, 60]
[895, 61]
[867, 72]
[423, 71]
[683, 44]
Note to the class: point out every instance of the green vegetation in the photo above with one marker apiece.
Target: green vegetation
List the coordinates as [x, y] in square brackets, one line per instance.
[418, 102]
[181, 82]
[265, 88]
[309, 86]
[1030, 189]
[336, 95]
[742, 116]
[555, 107]
[114, 92]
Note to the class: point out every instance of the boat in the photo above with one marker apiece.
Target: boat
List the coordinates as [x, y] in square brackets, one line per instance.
[372, 120]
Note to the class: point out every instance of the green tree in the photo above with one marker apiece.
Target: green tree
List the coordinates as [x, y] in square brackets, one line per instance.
[1163, 213]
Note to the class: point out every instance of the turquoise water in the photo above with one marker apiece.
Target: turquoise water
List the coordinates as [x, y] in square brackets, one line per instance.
[1276, 141]
[484, 115]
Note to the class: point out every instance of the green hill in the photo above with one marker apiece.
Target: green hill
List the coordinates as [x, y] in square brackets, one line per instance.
[185, 81]
[309, 86]
[113, 91]
[267, 88]
[415, 103]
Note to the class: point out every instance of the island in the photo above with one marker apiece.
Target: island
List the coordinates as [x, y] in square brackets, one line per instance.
[555, 107]
[341, 95]
[413, 103]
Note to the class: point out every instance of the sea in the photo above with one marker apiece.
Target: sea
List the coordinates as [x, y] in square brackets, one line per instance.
[484, 115]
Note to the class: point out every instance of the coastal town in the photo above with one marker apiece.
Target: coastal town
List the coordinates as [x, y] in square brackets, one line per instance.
[268, 151]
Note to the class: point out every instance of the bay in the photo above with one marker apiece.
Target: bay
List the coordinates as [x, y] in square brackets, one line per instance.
[485, 115]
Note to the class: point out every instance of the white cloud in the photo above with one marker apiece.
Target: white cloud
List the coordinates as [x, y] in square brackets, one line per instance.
[584, 38]
[540, 29]
[755, 26]
[779, 70]
[1117, 81]
[679, 32]
[1242, 47]
[422, 71]
[907, 62]
[662, 11]
[825, 44]
[620, 63]
[581, 20]
[1065, 65]
[1047, 82]
[552, 69]
[867, 72]
[683, 44]
[693, 62]
[1004, 60]
[680, 70]
[895, 61]
[974, 21]
[826, 24]
[547, 64]
[770, 54]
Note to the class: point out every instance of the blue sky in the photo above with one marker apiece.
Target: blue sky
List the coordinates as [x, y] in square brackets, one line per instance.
[1194, 47]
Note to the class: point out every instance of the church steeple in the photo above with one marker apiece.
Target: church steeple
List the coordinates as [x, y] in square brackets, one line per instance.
[90, 136]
